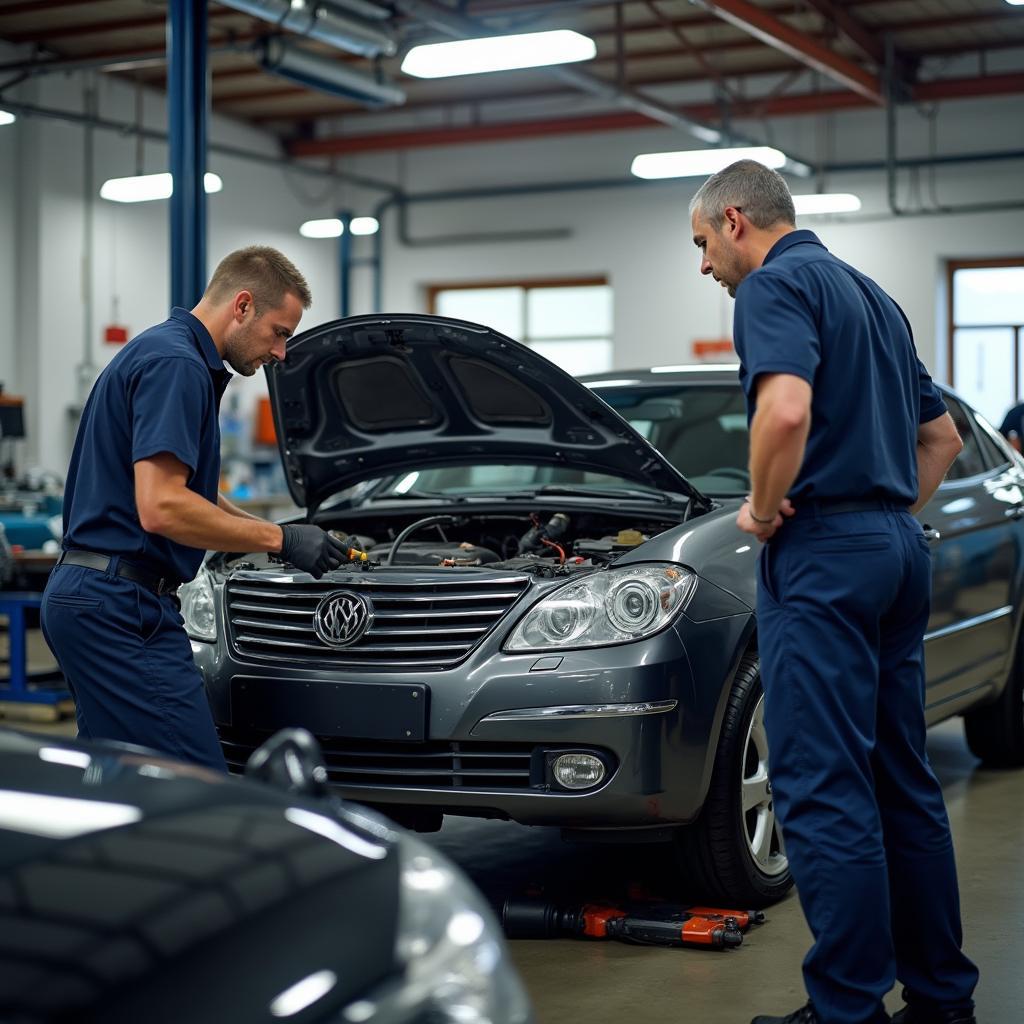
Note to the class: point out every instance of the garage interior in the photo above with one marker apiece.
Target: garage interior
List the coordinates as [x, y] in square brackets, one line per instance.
[507, 198]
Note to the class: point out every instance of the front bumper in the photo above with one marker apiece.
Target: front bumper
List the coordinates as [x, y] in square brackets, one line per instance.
[494, 720]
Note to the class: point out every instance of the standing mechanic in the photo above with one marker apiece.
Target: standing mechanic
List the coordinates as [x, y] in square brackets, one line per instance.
[142, 506]
[848, 438]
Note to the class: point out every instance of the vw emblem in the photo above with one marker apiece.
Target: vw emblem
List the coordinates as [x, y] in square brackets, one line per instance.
[342, 618]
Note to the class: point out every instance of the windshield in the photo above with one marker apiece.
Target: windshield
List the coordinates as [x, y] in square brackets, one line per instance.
[700, 428]
[491, 478]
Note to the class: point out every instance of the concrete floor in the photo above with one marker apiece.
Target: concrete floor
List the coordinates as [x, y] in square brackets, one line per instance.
[574, 980]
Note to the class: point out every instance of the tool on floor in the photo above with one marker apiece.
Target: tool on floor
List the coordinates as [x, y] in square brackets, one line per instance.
[658, 924]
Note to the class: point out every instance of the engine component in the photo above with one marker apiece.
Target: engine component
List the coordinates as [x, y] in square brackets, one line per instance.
[437, 552]
[442, 520]
[608, 547]
[539, 536]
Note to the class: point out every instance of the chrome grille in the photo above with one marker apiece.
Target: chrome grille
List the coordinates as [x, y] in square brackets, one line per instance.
[432, 765]
[427, 623]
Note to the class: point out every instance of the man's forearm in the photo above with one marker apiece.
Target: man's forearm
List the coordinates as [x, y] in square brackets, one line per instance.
[187, 518]
[776, 454]
[933, 462]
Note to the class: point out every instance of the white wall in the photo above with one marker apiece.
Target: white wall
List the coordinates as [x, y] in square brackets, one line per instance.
[46, 348]
[638, 236]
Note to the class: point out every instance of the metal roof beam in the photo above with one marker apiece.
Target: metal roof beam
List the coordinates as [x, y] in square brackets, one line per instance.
[777, 34]
[777, 106]
[868, 44]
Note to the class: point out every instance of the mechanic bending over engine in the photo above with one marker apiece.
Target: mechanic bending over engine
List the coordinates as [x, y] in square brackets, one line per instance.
[142, 506]
[848, 438]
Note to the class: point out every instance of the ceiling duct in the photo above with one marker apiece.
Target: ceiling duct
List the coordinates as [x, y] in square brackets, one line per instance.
[324, 22]
[289, 61]
[366, 9]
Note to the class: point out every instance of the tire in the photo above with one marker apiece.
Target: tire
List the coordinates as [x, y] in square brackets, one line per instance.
[995, 732]
[730, 855]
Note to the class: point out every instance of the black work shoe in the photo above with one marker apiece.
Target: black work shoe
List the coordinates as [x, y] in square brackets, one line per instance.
[911, 1014]
[805, 1015]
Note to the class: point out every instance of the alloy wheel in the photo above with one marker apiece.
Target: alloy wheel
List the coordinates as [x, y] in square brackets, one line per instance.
[760, 826]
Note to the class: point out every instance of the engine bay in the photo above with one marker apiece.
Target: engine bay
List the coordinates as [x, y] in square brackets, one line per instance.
[544, 542]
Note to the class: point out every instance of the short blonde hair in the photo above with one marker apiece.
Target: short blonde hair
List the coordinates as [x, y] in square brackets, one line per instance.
[264, 271]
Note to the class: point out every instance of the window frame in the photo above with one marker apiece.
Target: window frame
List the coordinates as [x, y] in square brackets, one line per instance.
[527, 285]
[952, 266]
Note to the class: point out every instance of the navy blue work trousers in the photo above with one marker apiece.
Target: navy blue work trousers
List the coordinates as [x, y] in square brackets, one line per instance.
[843, 602]
[128, 663]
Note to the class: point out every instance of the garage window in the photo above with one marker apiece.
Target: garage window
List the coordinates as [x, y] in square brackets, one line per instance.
[566, 321]
[986, 317]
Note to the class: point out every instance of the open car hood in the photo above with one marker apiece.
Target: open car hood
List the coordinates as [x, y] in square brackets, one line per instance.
[371, 396]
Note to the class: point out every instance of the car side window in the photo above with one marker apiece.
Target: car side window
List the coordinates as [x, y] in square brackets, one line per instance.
[991, 449]
[969, 462]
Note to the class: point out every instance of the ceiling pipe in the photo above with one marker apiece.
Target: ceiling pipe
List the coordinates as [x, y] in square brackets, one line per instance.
[324, 22]
[365, 9]
[402, 200]
[127, 128]
[315, 71]
[125, 62]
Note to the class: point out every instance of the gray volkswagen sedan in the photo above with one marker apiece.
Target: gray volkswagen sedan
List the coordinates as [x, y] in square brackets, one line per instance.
[553, 621]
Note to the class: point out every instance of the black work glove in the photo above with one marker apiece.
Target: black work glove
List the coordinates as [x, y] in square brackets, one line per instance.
[311, 549]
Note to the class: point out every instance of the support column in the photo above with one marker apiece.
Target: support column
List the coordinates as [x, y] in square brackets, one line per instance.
[187, 116]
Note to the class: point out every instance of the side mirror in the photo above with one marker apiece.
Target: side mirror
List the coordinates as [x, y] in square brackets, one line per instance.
[291, 760]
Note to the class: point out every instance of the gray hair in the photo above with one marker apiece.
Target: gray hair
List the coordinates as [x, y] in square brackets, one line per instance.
[761, 193]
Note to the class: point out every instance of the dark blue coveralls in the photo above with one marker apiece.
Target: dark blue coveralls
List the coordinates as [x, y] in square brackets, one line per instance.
[843, 602]
[115, 629]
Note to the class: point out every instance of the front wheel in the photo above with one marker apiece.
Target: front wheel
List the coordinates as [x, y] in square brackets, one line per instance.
[734, 851]
[995, 732]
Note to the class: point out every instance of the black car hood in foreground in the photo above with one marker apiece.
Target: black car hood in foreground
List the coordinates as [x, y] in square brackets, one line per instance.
[373, 395]
[133, 888]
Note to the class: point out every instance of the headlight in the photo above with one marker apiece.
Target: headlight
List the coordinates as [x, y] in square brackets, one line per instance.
[609, 607]
[197, 607]
[456, 963]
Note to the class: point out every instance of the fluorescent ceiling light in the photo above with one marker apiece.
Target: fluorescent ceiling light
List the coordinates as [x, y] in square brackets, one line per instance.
[1015, 3]
[364, 226]
[332, 227]
[329, 228]
[498, 53]
[144, 187]
[6, 117]
[696, 163]
[826, 202]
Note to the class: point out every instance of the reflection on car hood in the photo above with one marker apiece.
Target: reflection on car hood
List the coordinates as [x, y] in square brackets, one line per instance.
[371, 396]
[134, 888]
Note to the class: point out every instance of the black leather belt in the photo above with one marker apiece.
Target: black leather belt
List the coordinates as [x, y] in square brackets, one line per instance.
[160, 585]
[827, 507]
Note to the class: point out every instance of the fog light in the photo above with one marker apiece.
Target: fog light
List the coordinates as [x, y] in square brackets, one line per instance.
[578, 771]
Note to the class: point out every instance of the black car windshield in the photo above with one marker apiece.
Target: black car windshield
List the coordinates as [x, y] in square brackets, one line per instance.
[700, 428]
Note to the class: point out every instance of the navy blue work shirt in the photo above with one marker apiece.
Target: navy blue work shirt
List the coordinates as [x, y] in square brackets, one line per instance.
[160, 393]
[806, 313]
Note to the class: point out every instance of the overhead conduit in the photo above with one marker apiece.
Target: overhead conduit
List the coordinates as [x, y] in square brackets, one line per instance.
[324, 22]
